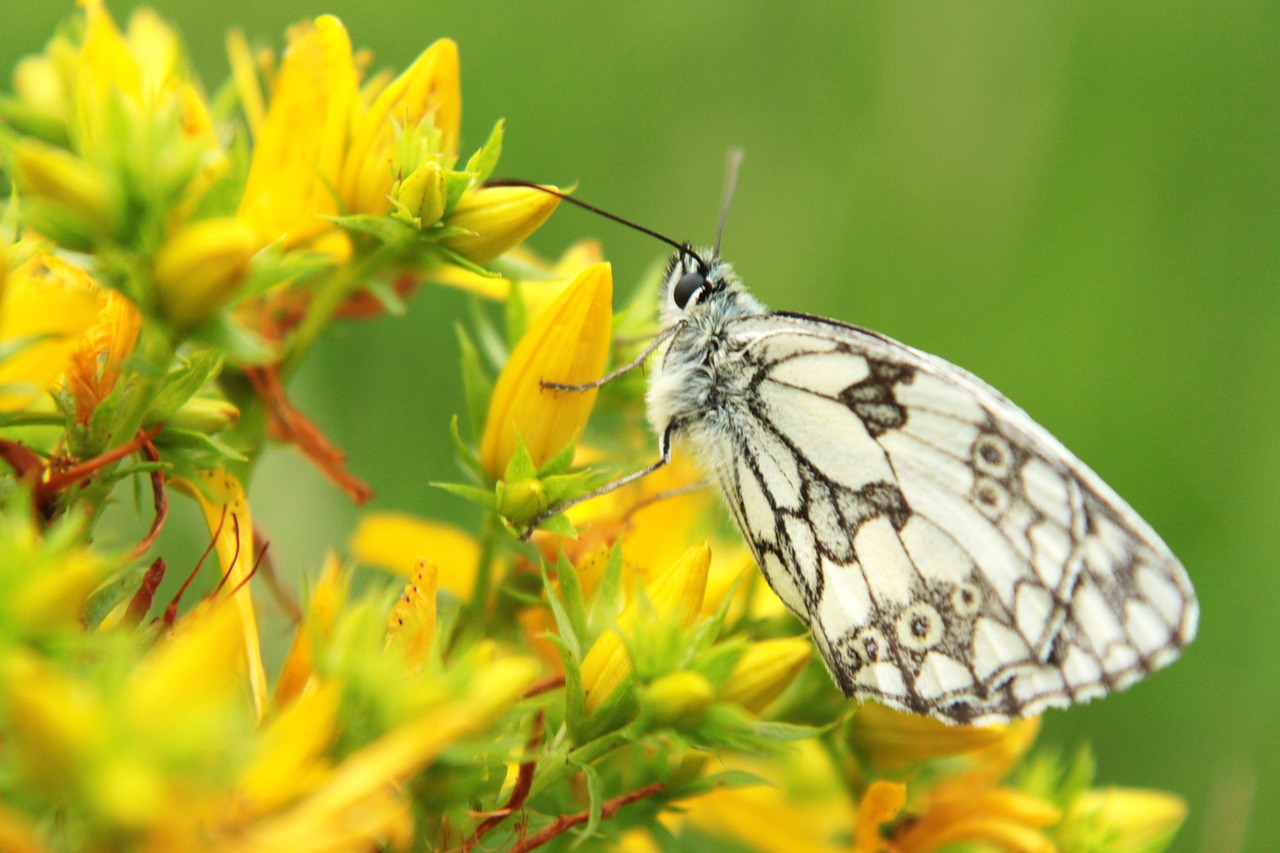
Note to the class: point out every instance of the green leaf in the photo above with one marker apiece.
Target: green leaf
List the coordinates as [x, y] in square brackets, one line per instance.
[466, 455]
[476, 386]
[564, 624]
[240, 345]
[484, 161]
[610, 598]
[182, 383]
[105, 598]
[385, 229]
[572, 592]
[489, 339]
[480, 497]
[595, 802]
[517, 316]
[196, 449]
[725, 779]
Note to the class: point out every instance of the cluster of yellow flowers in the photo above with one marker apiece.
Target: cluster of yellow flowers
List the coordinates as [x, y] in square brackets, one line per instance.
[622, 679]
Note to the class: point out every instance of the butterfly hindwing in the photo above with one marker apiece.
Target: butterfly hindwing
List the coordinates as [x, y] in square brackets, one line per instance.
[948, 554]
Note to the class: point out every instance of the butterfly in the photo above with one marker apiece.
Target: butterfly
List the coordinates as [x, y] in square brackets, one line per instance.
[949, 556]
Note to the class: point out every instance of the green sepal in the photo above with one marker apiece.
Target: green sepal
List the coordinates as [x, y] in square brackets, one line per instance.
[488, 338]
[455, 184]
[182, 383]
[484, 161]
[560, 463]
[386, 296]
[520, 466]
[560, 525]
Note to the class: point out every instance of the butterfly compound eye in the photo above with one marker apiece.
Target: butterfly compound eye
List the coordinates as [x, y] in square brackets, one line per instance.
[689, 284]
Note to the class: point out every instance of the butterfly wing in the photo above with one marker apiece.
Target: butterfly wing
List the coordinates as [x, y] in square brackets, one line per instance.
[949, 555]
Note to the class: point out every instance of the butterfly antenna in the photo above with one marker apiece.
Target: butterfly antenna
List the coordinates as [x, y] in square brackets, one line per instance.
[683, 248]
[734, 163]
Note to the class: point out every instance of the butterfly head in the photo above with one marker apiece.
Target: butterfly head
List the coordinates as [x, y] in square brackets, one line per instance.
[699, 285]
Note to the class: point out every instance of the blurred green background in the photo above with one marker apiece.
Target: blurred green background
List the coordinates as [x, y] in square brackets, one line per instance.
[1079, 202]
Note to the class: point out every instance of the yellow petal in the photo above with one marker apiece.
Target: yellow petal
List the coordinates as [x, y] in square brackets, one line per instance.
[496, 219]
[889, 739]
[411, 627]
[50, 311]
[226, 512]
[297, 155]
[397, 541]
[568, 343]
[327, 598]
[290, 760]
[881, 803]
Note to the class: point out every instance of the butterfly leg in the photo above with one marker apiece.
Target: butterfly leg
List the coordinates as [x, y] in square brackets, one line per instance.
[658, 341]
[664, 457]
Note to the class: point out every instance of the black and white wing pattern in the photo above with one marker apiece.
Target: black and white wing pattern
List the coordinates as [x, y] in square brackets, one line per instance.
[949, 555]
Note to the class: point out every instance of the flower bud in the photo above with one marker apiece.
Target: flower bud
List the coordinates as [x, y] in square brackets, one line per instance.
[204, 415]
[200, 268]
[676, 594]
[496, 219]
[1126, 820]
[522, 501]
[567, 343]
[423, 194]
[679, 700]
[766, 669]
[79, 199]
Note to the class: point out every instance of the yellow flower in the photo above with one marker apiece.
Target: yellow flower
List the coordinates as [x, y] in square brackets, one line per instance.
[298, 152]
[200, 267]
[428, 89]
[1008, 820]
[496, 219]
[765, 669]
[675, 595]
[46, 306]
[568, 343]
[397, 541]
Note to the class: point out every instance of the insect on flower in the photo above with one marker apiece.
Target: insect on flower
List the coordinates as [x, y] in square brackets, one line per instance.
[949, 556]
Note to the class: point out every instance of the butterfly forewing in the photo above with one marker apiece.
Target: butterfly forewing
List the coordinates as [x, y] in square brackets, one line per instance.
[949, 555]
